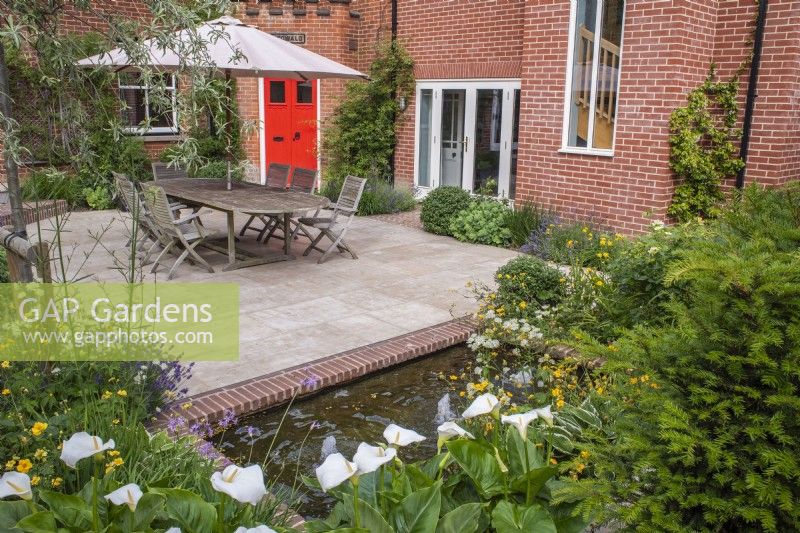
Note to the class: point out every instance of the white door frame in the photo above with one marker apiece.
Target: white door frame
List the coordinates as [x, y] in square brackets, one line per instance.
[507, 126]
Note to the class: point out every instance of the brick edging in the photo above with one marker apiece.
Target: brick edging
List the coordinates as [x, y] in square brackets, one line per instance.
[276, 388]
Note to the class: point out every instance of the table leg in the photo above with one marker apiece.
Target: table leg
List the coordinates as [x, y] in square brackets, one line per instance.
[231, 239]
[287, 238]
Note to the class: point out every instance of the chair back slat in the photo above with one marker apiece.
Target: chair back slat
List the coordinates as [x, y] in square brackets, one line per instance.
[277, 175]
[303, 180]
[126, 192]
[350, 196]
[157, 204]
[164, 171]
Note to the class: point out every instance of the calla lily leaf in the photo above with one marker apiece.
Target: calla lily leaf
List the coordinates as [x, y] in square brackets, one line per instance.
[477, 459]
[69, 509]
[462, 519]
[371, 519]
[510, 518]
[188, 510]
[12, 512]
[43, 521]
[419, 511]
[538, 477]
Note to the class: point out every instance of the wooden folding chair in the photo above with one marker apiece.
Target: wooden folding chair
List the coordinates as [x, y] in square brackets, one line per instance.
[303, 180]
[183, 233]
[335, 227]
[277, 177]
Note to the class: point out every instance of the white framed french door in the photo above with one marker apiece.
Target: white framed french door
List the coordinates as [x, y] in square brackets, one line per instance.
[466, 134]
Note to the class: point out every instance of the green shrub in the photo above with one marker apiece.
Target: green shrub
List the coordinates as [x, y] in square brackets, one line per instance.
[530, 280]
[441, 207]
[638, 270]
[524, 220]
[707, 425]
[98, 197]
[483, 222]
[379, 197]
[53, 184]
[219, 170]
[579, 244]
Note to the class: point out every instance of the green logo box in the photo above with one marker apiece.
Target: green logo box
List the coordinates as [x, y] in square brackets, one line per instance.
[119, 322]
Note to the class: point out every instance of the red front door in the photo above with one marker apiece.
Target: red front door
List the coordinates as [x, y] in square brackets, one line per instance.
[290, 123]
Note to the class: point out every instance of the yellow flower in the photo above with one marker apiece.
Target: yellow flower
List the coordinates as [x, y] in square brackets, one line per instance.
[122, 392]
[599, 390]
[113, 453]
[553, 461]
[562, 280]
[115, 421]
[106, 395]
[570, 244]
[585, 229]
[6, 392]
[480, 387]
[40, 454]
[580, 467]
[38, 428]
[186, 406]
[599, 283]
[10, 464]
[584, 454]
[523, 305]
[634, 381]
[559, 403]
[35, 480]
[462, 393]
[24, 466]
[453, 378]
[5, 364]
[556, 392]
[56, 482]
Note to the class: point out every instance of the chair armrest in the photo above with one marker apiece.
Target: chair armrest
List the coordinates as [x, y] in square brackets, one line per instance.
[177, 207]
[190, 217]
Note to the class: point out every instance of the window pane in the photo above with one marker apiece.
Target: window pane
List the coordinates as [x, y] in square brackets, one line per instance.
[608, 74]
[512, 184]
[134, 112]
[277, 92]
[488, 117]
[581, 90]
[305, 95]
[425, 117]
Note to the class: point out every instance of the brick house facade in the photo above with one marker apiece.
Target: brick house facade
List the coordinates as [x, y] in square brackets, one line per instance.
[470, 57]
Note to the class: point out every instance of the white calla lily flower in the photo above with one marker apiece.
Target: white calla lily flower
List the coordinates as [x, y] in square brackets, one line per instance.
[129, 495]
[335, 470]
[173, 530]
[521, 422]
[370, 458]
[546, 414]
[398, 436]
[450, 430]
[483, 405]
[244, 485]
[257, 529]
[15, 484]
[82, 445]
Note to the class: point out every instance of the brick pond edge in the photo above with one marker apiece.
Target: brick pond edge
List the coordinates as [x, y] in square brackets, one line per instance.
[277, 388]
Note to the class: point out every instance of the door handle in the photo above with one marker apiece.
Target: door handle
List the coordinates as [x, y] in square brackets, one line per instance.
[296, 136]
[278, 139]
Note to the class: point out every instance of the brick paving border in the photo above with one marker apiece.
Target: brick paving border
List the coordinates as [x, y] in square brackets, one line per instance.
[33, 212]
[277, 388]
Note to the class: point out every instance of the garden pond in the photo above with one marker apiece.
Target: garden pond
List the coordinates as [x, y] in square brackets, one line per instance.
[409, 395]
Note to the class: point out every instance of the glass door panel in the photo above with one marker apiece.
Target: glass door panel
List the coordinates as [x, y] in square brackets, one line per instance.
[488, 140]
[425, 128]
[452, 157]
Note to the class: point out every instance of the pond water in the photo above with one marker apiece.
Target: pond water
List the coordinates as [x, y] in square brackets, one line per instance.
[407, 395]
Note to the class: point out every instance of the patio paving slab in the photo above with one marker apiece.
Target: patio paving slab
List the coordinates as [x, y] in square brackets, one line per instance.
[296, 312]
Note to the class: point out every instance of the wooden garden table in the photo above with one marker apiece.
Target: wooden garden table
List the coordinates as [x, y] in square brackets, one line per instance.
[249, 199]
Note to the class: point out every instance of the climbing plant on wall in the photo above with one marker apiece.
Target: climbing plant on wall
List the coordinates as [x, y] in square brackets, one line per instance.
[359, 137]
[703, 147]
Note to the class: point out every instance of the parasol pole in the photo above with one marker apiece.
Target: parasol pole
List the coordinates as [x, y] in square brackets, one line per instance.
[228, 124]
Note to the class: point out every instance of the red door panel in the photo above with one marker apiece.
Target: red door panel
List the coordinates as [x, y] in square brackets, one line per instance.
[277, 127]
[290, 124]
